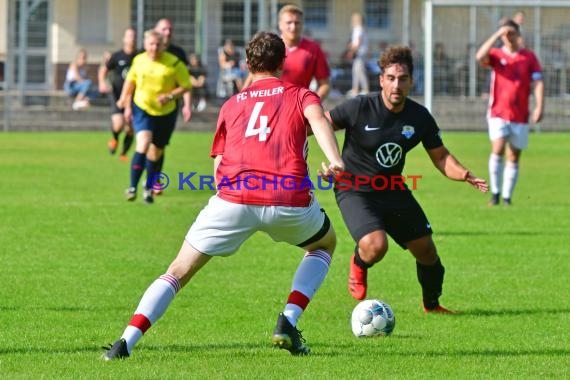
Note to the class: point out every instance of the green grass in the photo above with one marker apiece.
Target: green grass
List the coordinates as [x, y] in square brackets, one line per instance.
[76, 258]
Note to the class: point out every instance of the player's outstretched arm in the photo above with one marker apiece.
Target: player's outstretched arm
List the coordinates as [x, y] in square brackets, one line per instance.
[217, 161]
[126, 99]
[102, 79]
[323, 89]
[538, 110]
[452, 168]
[187, 106]
[325, 137]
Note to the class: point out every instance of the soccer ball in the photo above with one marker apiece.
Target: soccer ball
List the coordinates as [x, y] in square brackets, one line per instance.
[372, 318]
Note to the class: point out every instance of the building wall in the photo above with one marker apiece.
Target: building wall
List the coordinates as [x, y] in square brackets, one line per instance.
[64, 31]
[451, 27]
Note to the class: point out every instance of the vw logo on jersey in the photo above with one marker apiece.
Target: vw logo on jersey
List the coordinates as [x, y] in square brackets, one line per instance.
[408, 131]
[389, 154]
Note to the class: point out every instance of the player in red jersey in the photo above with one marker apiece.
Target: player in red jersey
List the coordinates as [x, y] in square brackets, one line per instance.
[515, 70]
[262, 131]
[305, 58]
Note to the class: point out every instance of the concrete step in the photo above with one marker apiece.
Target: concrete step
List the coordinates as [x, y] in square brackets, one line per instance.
[451, 113]
[41, 118]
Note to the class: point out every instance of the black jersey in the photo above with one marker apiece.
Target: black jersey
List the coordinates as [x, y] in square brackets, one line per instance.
[377, 140]
[118, 66]
[179, 52]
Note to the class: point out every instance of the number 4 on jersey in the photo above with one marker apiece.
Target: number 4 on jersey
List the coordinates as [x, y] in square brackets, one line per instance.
[263, 130]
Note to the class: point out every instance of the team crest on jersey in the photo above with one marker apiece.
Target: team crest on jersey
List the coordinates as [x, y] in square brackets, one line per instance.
[408, 131]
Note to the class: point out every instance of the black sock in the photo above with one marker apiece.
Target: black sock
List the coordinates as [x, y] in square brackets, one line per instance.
[115, 135]
[431, 280]
[160, 163]
[151, 177]
[358, 260]
[127, 142]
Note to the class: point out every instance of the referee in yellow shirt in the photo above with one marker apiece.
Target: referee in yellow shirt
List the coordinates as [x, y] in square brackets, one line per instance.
[156, 78]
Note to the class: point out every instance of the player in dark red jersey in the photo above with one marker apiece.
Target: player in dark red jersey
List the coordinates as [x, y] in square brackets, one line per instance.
[261, 133]
[305, 58]
[515, 71]
[380, 130]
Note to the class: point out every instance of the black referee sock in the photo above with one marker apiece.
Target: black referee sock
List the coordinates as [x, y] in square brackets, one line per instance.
[160, 163]
[115, 135]
[358, 260]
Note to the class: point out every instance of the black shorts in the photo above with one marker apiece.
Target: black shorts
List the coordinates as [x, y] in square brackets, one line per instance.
[400, 216]
[112, 96]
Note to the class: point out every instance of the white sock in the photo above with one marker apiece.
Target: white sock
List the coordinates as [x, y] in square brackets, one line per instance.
[131, 335]
[510, 177]
[151, 307]
[307, 280]
[495, 172]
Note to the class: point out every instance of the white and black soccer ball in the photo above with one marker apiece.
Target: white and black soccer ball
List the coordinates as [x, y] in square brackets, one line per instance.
[372, 318]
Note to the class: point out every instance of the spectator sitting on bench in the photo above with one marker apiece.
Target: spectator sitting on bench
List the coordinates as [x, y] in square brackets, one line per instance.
[230, 61]
[198, 78]
[77, 84]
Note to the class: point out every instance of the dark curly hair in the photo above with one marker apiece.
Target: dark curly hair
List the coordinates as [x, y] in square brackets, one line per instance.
[397, 54]
[265, 52]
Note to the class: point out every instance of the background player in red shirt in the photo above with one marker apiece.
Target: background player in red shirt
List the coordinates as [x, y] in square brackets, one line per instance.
[515, 69]
[305, 58]
[265, 131]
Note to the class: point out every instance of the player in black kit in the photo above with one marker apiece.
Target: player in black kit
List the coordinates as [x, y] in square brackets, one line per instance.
[114, 71]
[372, 196]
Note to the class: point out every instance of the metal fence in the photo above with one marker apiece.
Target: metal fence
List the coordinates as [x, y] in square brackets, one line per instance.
[444, 34]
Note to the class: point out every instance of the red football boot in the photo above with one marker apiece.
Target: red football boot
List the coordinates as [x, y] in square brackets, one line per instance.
[438, 310]
[357, 280]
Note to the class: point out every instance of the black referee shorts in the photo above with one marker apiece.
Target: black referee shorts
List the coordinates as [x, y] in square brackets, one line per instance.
[399, 214]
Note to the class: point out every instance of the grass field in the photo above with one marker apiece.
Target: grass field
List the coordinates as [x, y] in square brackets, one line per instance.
[76, 257]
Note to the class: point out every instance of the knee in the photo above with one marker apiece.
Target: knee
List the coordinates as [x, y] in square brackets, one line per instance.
[85, 85]
[154, 153]
[329, 241]
[372, 249]
[424, 252]
[142, 144]
[326, 243]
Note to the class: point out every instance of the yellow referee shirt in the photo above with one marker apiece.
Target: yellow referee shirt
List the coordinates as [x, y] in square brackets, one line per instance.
[152, 78]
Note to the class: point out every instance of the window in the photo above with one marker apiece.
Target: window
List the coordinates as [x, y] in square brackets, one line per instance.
[36, 24]
[377, 13]
[316, 13]
[92, 23]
